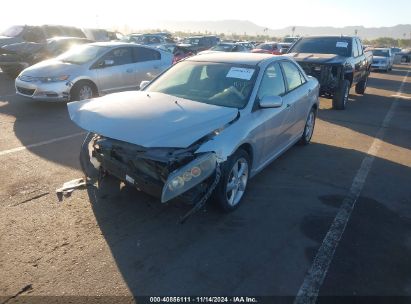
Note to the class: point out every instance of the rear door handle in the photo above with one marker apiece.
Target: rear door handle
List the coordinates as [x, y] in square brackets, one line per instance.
[129, 70]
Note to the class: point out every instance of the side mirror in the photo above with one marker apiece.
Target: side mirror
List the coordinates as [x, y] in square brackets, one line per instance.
[143, 84]
[271, 102]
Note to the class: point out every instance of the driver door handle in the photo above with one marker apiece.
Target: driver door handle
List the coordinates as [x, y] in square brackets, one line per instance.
[129, 70]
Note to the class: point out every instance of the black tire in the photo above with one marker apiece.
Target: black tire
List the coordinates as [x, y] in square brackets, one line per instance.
[220, 193]
[308, 128]
[79, 90]
[340, 97]
[11, 72]
[361, 86]
[88, 169]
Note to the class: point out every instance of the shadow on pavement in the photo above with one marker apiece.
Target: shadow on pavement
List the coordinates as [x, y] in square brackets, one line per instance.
[264, 247]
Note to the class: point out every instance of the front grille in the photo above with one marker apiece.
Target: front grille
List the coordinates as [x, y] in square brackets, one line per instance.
[25, 91]
[312, 69]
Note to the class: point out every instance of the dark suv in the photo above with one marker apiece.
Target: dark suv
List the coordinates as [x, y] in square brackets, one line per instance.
[30, 35]
[199, 43]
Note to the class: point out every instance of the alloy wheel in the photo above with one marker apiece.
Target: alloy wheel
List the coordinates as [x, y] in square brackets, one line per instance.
[85, 92]
[237, 181]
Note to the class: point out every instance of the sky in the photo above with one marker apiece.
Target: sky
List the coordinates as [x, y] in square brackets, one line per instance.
[146, 14]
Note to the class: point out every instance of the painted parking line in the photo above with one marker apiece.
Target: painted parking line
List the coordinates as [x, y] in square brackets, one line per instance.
[42, 143]
[308, 292]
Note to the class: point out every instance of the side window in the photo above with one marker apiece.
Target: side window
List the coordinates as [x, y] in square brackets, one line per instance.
[142, 54]
[272, 83]
[120, 56]
[292, 75]
[360, 47]
[355, 48]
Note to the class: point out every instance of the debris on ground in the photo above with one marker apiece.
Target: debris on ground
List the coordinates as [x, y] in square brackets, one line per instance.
[68, 187]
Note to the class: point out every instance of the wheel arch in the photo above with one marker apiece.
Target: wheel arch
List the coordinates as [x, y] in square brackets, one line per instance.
[85, 80]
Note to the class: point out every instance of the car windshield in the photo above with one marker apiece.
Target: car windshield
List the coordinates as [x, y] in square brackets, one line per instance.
[323, 45]
[13, 31]
[223, 47]
[380, 53]
[81, 54]
[222, 84]
[290, 39]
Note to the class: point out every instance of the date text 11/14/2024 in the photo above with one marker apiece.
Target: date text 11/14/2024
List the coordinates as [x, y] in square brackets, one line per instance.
[238, 299]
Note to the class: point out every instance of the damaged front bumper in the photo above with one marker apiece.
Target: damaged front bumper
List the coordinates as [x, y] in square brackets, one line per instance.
[329, 76]
[165, 173]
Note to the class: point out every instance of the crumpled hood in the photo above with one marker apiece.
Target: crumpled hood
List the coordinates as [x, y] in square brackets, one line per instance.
[317, 58]
[52, 67]
[23, 47]
[150, 119]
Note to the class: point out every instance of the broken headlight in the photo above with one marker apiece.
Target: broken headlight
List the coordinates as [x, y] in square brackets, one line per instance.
[189, 176]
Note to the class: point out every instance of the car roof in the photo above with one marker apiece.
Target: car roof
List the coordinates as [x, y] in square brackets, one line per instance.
[329, 36]
[236, 58]
[381, 48]
[113, 43]
[67, 38]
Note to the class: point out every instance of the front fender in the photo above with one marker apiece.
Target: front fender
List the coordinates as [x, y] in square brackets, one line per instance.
[228, 141]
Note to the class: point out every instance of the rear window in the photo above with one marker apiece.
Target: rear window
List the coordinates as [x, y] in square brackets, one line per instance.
[381, 53]
[324, 45]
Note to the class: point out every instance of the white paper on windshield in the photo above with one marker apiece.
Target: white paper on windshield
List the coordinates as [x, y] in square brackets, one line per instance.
[342, 44]
[240, 73]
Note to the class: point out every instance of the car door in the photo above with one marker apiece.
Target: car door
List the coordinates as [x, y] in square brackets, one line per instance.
[296, 100]
[268, 135]
[363, 60]
[115, 70]
[147, 63]
[357, 61]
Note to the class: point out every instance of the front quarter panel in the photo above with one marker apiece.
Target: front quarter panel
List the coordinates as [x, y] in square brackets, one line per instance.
[244, 131]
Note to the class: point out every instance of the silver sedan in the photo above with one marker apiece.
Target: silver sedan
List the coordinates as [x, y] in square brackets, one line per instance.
[208, 124]
[91, 70]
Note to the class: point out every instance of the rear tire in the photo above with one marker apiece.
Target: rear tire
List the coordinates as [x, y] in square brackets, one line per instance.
[233, 182]
[309, 128]
[340, 97]
[361, 86]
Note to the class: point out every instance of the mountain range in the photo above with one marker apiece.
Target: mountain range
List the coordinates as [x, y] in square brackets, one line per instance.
[250, 28]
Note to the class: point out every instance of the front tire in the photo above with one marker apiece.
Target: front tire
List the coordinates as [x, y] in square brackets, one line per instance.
[88, 169]
[234, 178]
[83, 90]
[341, 96]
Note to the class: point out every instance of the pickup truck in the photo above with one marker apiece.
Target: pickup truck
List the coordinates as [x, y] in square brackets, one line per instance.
[338, 63]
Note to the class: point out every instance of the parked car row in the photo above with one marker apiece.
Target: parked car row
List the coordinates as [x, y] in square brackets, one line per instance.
[203, 124]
